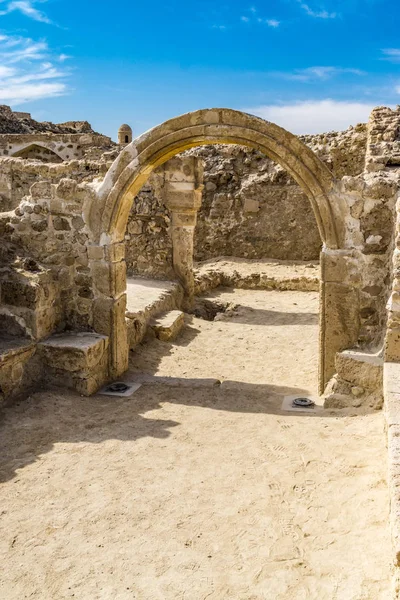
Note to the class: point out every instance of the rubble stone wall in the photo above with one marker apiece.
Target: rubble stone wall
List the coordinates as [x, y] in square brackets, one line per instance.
[17, 176]
[47, 244]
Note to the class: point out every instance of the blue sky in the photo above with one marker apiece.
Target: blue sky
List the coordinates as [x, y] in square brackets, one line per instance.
[309, 66]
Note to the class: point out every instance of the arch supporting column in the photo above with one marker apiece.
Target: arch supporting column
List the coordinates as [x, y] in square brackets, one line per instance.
[183, 187]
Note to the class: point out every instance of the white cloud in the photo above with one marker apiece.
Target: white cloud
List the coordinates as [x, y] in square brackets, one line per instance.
[6, 72]
[26, 73]
[18, 94]
[26, 8]
[318, 14]
[269, 22]
[391, 54]
[64, 57]
[315, 116]
[319, 73]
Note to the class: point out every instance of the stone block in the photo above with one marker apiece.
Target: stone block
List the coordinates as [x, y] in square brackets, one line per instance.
[95, 252]
[74, 352]
[392, 345]
[360, 369]
[340, 326]
[115, 252]
[16, 358]
[339, 266]
[167, 326]
[251, 206]
[109, 278]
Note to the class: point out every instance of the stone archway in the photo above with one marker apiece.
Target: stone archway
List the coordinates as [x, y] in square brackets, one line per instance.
[108, 216]
[38, 152]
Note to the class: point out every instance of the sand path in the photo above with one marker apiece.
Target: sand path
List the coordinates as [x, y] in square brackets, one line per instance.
[199, 493]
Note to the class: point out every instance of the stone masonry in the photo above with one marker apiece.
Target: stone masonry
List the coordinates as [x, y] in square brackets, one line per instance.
[56, 277]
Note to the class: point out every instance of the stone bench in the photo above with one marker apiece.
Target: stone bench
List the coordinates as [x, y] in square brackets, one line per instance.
[78, 361]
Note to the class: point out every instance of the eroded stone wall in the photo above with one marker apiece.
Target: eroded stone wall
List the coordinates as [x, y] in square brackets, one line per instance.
[252, 209]
[148, 240]
[49, 242]
[17, 176]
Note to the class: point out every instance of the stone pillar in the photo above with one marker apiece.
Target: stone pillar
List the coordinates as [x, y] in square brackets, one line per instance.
[339, 308]
[108, 269]
[183, 186]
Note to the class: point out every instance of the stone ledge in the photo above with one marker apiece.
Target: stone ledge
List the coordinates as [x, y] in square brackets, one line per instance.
[13, 347]
[168, 325]
[148, 379]
[75, 351]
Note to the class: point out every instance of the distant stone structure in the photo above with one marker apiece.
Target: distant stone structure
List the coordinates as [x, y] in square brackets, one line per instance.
[125, 135]
[22, 115]
[22, 137]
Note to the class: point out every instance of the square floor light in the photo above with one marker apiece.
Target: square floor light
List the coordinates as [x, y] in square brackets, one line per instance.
[122, 389]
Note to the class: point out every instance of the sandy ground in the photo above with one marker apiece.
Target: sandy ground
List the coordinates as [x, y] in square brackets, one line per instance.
[199, 493]
[261, 346]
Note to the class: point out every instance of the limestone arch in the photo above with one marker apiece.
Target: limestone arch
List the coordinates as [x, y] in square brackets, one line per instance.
[108, 213]
[211, 126]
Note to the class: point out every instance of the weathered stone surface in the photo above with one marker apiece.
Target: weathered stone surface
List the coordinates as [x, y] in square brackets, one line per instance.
[361, 369]
[79, 361]
[168, 325]
[146, 299]
[74, 352]
[19, 372]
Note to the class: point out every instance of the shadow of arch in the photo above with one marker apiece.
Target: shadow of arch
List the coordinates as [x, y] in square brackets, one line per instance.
[38, 152]
[210, 126]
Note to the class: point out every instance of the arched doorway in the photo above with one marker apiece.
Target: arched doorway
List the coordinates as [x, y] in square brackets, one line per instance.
[109, 213]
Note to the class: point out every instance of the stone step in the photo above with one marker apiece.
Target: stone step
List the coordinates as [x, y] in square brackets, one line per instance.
[168, 325]
[146, 299]
[18, 369]
[76, 360]
[360, 369]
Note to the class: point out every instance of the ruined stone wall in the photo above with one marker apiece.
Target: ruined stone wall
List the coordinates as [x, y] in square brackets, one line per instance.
[148, 242]
[55, 277]
[49, 242]
[383, 150]
[17, 176]
[252, 209]
[369, 212]
[67, 146]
